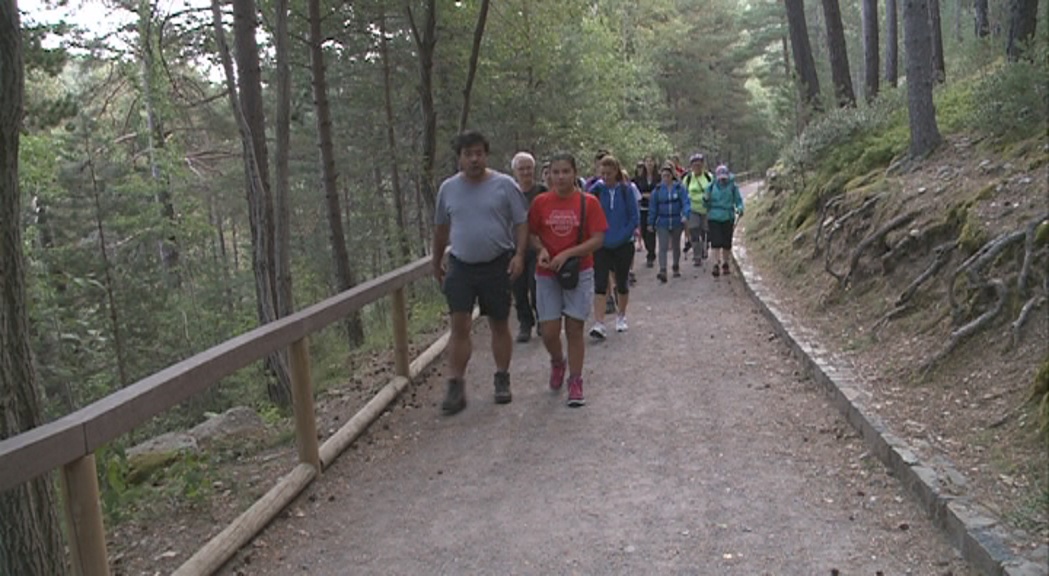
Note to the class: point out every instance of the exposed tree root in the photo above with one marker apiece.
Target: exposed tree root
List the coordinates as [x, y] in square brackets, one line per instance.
[829, 205]
[893, 314]
[943, 255]
[959, 335]
[975, 263]
[1032, 304]
[877, 236]
[1029, 254]
[840, 224]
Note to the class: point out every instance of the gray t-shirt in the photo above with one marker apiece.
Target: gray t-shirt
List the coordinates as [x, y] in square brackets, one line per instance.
[482, 216]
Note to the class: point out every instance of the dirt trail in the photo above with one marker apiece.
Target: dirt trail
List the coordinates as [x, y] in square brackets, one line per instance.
[702, 450]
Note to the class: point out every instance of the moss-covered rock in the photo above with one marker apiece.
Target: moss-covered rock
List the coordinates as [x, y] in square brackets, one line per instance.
[141, 467]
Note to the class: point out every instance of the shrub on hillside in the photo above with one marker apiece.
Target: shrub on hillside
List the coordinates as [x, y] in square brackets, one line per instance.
[1011, 101]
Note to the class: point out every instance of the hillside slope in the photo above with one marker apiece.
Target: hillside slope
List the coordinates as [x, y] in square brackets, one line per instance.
[932, 277]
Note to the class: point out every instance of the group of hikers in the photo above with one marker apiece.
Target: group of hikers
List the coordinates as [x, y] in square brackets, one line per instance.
[556, 249]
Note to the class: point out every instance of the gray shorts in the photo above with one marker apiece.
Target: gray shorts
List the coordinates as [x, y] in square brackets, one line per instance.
[552, 301]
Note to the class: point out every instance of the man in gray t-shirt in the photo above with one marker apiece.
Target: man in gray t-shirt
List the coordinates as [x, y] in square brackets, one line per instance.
[484, 217]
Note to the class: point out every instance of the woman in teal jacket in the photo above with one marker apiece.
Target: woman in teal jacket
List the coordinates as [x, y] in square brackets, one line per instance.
[668, 211]
[724, 207]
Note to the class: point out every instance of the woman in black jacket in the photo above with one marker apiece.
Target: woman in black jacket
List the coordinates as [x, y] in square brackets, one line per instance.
[646, 179]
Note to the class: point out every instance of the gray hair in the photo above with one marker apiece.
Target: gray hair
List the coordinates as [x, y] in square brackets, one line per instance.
[521, 157]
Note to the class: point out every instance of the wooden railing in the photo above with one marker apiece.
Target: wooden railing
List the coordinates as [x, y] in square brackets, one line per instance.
[69, 443]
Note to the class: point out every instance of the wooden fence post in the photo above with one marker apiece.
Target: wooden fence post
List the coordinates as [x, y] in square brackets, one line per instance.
[83, 511]
[302, 400]
[402, 362]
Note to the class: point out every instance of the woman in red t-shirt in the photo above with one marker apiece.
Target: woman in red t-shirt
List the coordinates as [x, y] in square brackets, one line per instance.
[554, 222]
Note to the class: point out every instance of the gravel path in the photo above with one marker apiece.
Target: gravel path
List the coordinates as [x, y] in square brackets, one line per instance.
[702, 450]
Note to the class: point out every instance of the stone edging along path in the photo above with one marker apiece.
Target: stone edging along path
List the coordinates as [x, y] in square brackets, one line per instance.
[970, 528]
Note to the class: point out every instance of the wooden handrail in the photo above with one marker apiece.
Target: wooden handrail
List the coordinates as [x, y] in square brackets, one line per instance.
[63, 441]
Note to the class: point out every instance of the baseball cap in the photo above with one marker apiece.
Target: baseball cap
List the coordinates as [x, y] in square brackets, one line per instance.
[696, 158]
[721, 172]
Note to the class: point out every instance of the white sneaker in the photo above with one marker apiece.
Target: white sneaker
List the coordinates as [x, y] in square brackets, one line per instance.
[621, 325]
[598, 331]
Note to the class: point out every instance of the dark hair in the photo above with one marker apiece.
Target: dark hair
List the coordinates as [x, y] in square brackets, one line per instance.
[564, 157]
[467, 139]
[601, 153]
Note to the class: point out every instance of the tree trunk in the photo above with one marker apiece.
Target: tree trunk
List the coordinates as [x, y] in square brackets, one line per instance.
[936, 26]
[1023, 17]
[981, 20]
[257, 182]
[344, 274]
[391, 142]
[107, 273]
[30, 534]
[282, 201]
[839, 58]
[169, 250]
[426, 44]
[871, 68]
[892, 43]
[804, 64]
[475, 52]
[917, 41]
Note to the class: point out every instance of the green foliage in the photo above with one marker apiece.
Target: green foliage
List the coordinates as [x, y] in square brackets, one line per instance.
[1008, 104]
[129, 488]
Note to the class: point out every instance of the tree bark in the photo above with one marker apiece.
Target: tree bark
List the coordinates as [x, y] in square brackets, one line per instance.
[1023, 18]
[892, 43]
[391, 142]
[917, 41]
[282, 201]
[169, 249]
[475, 52]
[426, 44]
[30, 533]
[804, 65]
[107, 273]
[839, 58]
[871, 67]
[344, 274]
[257, 182]
[936, 27]
[981, 20]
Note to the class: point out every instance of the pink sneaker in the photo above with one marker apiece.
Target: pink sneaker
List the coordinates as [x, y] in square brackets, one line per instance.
[575, 392]
[557, 375]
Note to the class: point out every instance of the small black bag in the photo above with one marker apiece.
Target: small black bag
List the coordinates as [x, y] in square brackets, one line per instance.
[568, 274]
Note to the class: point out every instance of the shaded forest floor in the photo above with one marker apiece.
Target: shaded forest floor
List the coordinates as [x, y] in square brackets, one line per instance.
[181, 507]
[963, 402]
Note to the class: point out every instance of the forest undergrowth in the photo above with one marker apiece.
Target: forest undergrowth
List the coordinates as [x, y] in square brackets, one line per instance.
[932, 275]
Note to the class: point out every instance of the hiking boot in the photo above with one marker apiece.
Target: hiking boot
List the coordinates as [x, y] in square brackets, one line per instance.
[575, 392]
[557, 375]
[688, 246]
[662, 276]
[502, 388]
[677, 273]
[650, 263]
[454, 397]
[716, 271]
[621, 325]
[725, 268]
[597, 331]
[524, 334]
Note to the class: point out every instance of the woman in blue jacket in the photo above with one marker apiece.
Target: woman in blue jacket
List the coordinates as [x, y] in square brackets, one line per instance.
[724, 207]
[617, 253]
[668, 211]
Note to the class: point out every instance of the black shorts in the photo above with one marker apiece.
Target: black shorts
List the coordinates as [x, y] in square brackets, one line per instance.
[486, 284]
[616, 260]
[720, 233]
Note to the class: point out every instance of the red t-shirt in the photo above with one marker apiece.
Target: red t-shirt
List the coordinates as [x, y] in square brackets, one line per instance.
[555, 220]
